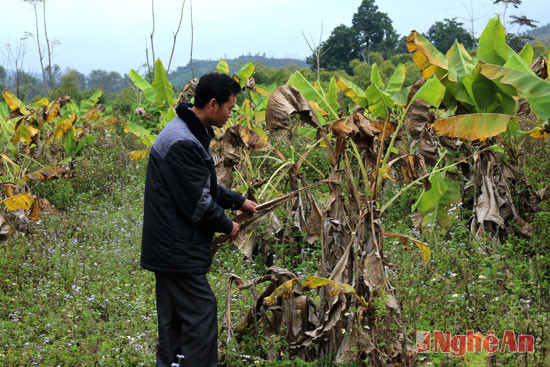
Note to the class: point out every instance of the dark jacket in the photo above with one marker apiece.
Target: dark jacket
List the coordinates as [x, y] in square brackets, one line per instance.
[184, 204]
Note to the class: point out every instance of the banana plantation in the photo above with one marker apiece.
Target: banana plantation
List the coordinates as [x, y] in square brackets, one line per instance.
[384, 213]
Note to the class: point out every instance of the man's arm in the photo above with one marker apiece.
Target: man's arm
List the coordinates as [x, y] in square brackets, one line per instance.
[188, 182]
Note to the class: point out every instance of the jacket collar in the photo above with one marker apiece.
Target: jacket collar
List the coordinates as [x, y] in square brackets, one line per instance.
[203, 134]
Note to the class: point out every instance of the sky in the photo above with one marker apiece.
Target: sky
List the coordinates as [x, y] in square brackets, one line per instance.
[113, 35]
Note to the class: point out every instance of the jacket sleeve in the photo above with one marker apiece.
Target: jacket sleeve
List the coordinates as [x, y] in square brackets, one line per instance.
[229, 199]
[188, 180]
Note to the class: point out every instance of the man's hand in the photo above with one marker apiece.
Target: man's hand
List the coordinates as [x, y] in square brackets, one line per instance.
[249, 206]
[234, 231]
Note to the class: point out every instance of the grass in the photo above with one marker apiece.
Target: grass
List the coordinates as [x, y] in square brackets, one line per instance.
[73, 293]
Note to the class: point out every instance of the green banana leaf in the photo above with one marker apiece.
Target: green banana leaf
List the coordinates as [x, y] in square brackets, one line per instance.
[142, 84]
[162, 87]
[434, 204]
[311, 94]
[492, 47]
[88, 104]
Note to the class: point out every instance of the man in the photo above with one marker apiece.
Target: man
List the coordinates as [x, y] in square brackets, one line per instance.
[184, 207]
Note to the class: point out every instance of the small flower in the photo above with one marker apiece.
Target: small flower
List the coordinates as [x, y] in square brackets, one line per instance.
[343, 331]
[453, 274]
[455, 295]
[481, 276]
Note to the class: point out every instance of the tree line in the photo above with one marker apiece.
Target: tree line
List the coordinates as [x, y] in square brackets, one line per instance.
[372, 31]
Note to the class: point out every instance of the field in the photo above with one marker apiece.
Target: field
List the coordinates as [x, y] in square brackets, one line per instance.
[391, 210]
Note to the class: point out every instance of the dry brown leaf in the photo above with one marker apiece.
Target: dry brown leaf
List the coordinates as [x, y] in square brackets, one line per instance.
[6, 229]
[284, 102]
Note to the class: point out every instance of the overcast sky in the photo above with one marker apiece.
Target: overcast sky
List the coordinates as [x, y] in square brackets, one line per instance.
[112, 34]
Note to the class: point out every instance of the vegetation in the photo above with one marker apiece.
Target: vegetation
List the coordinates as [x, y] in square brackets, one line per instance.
[392, 201]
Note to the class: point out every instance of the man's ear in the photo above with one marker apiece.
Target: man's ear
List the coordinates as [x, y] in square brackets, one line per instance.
[212, 103]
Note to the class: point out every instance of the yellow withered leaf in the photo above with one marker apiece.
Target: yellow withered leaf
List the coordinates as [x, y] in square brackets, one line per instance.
[315, 106]
[47, 173]
[475, 126]
[43, 102]
[14, 103]
[21, 201]
[62, 127]
[24, 133]
[538, 133]
[426, 57]
[138, 154]
[286, 289]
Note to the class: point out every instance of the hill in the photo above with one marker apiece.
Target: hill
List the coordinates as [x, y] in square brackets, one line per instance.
[183, 73]
[541, 34]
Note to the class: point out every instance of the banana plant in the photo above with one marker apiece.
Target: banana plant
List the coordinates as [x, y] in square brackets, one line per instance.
[483, 94]
[484, 90]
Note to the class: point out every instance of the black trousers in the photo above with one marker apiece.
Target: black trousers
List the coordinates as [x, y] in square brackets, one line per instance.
[187, 321]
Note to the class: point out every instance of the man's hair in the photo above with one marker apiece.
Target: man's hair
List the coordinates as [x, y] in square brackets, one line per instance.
[214, 85]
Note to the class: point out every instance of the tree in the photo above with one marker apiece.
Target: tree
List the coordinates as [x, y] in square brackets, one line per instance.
[108, 82]
[338, 50]
[539, 49]
[49, 44]
[2, 78]
[443, 34]
[374, 30]
[15, 57]
[70, 84]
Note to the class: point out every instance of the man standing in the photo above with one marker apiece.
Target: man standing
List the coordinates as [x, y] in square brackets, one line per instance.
[184, 207]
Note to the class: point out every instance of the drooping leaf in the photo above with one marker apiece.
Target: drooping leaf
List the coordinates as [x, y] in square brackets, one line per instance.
[24, 133]
[222, 67]
[539, 105]
[62, 127]
[20, 201]
[310, 93]
[285, 290]
[515, 61]
[14, 103]
[136, 129]
[351, 90]
[492, 48]
[524, 82]
[164, 90]
[48, 173]
[475, 126]
[426, 57]
[142, 84]
[434, 204]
